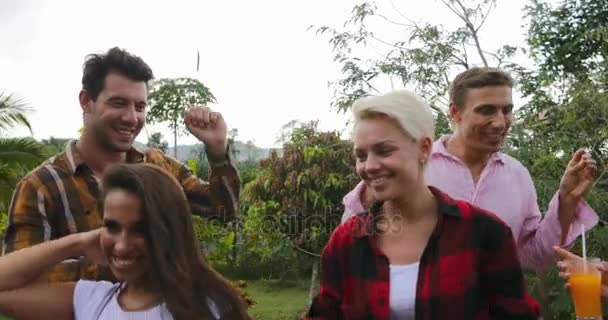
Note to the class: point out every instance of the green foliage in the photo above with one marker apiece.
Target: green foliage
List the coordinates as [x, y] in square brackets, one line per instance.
[567, 94]
[20, 151]
[248, 170]
[290, 204]
[54, 145]
[13, 113]
[216, 240]
[569, 39]
[266, 251]
[170, 98]
[301, 191]
[3, 224]
[17, 155]
[424, 60]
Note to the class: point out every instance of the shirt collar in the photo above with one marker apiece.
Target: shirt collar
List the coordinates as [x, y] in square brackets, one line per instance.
[439, 149]
[76, 160]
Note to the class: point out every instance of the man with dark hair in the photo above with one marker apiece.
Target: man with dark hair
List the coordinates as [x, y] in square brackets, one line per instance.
[468, 165]
[61, 196]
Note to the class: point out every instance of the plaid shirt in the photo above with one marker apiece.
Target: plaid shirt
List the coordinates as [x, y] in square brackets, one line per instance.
[61, 196]
[468, 270]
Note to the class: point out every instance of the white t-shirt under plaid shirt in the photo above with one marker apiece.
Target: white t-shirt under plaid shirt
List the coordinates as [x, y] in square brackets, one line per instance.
[98, 300]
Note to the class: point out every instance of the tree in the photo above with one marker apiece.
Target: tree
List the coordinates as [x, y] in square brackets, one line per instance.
[170, 98]
[156, 141]
[17, 155]
[232, 142]
[567, 97]
[54, 145]
[570, 39]
[425, 61]
[300, 192]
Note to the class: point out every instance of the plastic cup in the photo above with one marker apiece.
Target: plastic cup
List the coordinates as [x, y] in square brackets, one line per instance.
[585, 288]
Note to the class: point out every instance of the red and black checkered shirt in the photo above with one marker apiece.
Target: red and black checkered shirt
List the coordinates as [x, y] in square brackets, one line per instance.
[468, 270]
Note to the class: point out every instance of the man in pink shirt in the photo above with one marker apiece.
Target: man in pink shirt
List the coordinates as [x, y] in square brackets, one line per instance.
[468, 165]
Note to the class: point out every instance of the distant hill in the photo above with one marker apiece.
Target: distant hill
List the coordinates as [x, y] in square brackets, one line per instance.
[244, 151]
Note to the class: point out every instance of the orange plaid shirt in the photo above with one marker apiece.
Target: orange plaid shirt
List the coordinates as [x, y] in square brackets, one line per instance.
[61, 196]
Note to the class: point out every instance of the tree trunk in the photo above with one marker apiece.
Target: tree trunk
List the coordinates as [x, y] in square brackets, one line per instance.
[313, 282]
[235, 242]
[175, 144]
[478, 46]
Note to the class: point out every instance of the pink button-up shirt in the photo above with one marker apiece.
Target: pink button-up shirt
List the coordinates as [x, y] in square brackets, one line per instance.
[505, 188]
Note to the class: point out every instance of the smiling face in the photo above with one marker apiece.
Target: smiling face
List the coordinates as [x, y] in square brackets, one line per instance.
[389, 161]
[118, 114]
[123, 238]
[484, 120]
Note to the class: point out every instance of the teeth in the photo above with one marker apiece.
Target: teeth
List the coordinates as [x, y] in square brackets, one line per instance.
[125, 132]
[121, 262]
[377, 181]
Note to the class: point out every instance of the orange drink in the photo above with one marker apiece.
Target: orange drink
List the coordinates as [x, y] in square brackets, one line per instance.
[585, 286]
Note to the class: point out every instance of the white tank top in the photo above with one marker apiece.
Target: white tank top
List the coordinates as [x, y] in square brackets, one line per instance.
[403, 280]
[93, 298]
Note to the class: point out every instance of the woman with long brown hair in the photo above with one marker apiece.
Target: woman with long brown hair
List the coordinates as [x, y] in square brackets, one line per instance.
[148, 242]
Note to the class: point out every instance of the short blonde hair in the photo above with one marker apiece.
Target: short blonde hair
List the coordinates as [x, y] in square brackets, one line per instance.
[410, 111]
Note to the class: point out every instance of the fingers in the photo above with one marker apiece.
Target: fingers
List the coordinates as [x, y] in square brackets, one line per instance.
[201, 117]
[578, 166]
[204, 114]
[581, 160]
[564, 275]
[576, 157]
[214, 116]
[590, 168]
[565, 254]
[603, 268]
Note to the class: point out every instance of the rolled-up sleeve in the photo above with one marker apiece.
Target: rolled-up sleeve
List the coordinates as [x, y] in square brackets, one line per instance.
[218, 198]
[539, 234]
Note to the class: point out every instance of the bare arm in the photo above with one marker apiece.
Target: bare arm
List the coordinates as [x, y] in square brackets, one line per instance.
[39, 301]
[22, 297]
[21, 267]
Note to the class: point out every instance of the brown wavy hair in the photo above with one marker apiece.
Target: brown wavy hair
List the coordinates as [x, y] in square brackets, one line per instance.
[475, 78]
[178, 270]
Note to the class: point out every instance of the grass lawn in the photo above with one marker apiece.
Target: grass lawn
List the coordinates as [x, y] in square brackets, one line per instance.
[277, 302]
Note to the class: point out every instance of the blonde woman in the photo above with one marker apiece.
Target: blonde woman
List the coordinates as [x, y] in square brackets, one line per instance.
[417, 253]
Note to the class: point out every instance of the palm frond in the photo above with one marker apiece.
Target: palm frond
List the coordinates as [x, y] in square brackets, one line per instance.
[13, 112]
[21, 151]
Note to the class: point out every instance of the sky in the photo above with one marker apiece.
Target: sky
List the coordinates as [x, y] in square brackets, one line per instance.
[258, 57]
